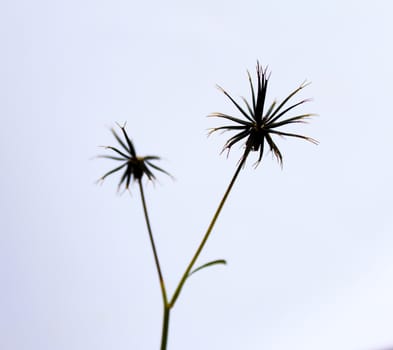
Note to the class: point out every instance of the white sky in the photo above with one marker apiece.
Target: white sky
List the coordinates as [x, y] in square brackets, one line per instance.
[309, 247]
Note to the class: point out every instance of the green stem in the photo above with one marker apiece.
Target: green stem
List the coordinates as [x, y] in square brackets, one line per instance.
[153, 246]
[209, 230]
[165, 327]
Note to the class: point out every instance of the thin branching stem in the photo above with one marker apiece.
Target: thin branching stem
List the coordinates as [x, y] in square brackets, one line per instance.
[153, 246]
[167, 309]
[209, 230]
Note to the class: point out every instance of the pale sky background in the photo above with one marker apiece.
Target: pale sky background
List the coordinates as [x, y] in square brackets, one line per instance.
[309, 247]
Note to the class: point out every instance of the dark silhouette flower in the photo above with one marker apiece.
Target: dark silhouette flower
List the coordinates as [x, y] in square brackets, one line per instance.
[135, 167]
[259, 125]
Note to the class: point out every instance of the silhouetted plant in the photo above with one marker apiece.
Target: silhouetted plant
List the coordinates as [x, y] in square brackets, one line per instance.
[260, 125]
[257, 127]
[135, 167]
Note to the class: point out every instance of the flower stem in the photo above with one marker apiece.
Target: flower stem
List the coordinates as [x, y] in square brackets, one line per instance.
[165, 327]
[153, 246]
[209, 230]
[169, 305]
